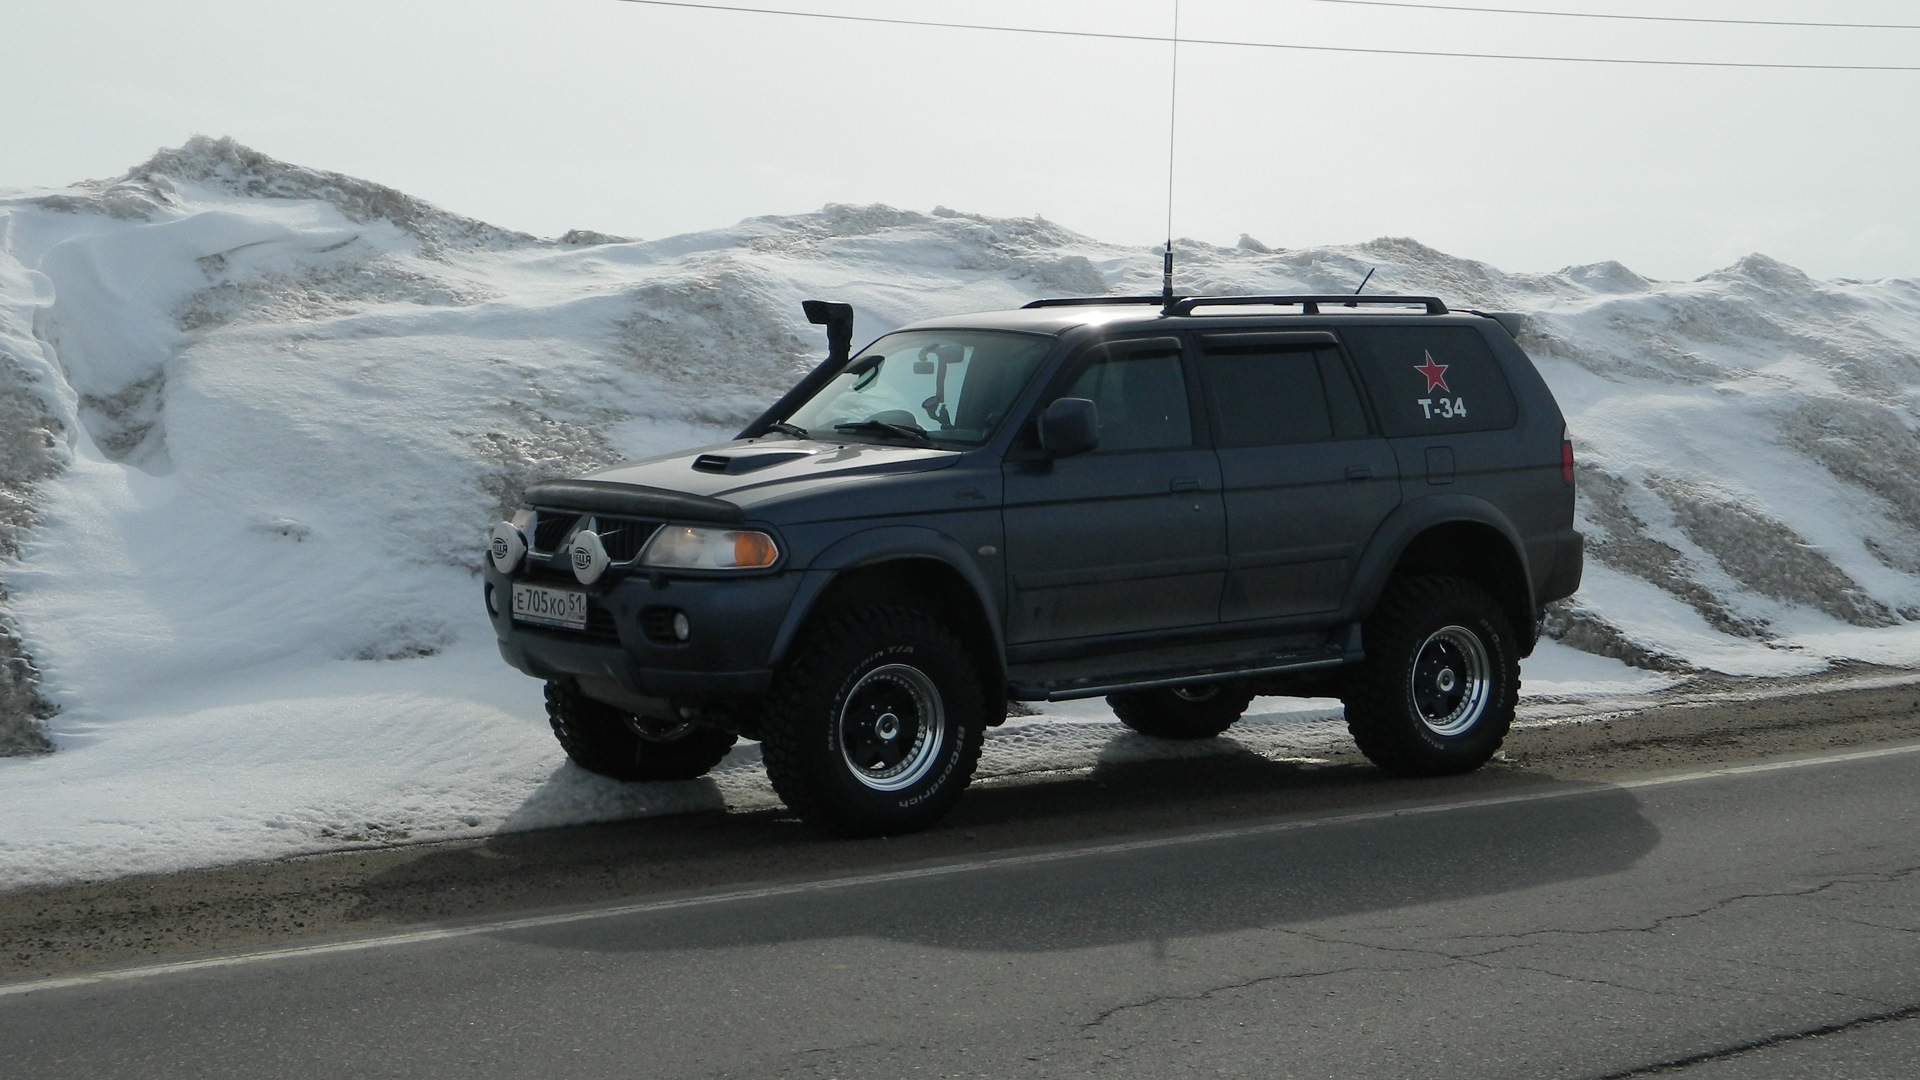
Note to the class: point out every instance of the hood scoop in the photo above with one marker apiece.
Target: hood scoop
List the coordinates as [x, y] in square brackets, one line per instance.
[746, 461]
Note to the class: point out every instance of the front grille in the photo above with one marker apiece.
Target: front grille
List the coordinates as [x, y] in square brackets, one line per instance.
[551, 528]
[622, 537]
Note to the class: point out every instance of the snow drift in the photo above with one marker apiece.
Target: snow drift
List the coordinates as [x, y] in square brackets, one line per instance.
[254, 418]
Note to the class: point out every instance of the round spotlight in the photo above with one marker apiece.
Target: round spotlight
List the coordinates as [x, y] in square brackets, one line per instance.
[506, 546]
[588, 556]
[682, 629]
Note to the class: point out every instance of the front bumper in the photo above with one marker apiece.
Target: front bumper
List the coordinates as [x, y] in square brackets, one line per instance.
[623, 653]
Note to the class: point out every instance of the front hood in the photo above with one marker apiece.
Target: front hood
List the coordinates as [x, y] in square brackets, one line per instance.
[749, 472]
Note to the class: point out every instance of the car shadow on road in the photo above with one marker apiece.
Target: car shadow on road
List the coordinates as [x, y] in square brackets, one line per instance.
[1308, 839]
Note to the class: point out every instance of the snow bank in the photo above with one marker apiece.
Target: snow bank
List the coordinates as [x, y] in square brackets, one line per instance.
[254, 418]
[36, 411]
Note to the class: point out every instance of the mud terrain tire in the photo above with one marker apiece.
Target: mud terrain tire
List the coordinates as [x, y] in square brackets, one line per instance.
[1436, 692]
[874, 725]
[1181, 712]
[602, 739]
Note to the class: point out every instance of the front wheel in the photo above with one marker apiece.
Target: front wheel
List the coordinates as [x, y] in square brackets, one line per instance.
[1436, 692]
[602, 739]
[874, 726]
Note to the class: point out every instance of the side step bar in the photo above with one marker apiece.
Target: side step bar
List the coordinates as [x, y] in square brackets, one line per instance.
[1034, 684]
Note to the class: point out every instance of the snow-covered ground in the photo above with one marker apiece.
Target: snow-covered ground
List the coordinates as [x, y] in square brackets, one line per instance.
[254, 419]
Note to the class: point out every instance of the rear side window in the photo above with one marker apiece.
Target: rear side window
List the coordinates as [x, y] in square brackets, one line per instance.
[1271, 396]
[1432, 380]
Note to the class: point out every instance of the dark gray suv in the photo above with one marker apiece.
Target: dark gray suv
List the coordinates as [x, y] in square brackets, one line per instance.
[1173, 503]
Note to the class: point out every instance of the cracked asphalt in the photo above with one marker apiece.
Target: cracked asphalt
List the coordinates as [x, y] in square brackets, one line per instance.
[1609, 901]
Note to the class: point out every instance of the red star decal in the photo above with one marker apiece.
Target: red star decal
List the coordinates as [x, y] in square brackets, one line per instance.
[1436, 373]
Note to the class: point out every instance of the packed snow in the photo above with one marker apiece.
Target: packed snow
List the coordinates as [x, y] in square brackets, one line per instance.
[255, 418]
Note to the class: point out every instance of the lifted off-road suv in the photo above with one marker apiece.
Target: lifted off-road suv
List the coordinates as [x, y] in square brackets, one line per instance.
[1175, 503]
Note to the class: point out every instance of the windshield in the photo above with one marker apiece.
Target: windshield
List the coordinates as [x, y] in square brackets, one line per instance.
[935, 386]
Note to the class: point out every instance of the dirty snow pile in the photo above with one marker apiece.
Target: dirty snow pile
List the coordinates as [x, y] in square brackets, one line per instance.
[254, 419]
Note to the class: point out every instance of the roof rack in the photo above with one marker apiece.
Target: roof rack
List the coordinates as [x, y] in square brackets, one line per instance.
[1309, 303]
[1091, 301]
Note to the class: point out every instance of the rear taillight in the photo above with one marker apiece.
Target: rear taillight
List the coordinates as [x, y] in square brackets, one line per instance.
[1566, 457]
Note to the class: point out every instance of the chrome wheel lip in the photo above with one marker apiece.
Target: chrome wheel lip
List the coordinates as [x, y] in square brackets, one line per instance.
[1450, 683]
[897, 705]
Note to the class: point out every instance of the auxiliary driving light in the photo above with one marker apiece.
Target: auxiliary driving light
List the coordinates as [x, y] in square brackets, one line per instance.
[588, 556]
[506, 545]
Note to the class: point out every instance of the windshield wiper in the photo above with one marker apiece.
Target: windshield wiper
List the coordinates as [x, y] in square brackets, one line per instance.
[881, 427]
[785, 428]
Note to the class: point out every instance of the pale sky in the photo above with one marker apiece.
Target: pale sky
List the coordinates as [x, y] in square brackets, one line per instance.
[646, 121]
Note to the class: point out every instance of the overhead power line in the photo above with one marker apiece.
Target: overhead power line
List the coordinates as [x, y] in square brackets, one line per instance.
[1610, 15]
[1153, 38]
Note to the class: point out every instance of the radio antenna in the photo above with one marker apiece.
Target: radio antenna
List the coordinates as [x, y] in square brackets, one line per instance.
[1364, 280]
[1173, 116]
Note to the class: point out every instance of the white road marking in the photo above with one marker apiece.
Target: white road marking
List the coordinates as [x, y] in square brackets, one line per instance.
[537, 922]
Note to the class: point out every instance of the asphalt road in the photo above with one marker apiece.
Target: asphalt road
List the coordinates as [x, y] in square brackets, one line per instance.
[369, 887]
[1758, 920]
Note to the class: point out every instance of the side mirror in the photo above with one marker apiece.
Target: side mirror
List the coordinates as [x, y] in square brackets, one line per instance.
[1069, 426]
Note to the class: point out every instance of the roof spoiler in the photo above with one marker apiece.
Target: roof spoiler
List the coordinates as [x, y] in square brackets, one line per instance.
[1512, 321]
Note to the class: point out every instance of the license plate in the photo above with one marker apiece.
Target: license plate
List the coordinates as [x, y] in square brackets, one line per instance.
[550, 607]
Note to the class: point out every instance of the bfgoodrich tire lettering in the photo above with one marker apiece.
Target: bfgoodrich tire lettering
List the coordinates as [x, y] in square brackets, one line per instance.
[602, 739]
[1437, 690]
[874, 725]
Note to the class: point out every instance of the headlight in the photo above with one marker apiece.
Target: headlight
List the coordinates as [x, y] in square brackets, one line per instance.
[688, 547]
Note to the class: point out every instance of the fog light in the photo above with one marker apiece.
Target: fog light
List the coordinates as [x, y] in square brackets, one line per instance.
[588, 556]
[682, 628]
[506, 546]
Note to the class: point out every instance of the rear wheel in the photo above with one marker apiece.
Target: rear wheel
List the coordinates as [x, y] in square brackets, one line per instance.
[874, 725]
[1181, 712]
[602, 739]
[1437, 690]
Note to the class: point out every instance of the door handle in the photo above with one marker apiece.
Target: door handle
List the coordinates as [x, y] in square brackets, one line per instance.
[1359, 472]
[1186, 483]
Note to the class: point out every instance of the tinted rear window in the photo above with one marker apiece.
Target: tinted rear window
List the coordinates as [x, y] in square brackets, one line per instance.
[1272, 396]
[1431, 380]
